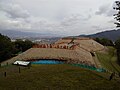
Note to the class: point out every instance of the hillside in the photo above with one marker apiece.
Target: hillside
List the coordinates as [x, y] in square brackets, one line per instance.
[108, 59]
[62, 76]
[111, 34]
[55, 77]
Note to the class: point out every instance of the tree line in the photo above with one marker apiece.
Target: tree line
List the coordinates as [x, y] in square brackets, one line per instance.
[9, 49]
[117, 46]
[107, 42]
[117, 18]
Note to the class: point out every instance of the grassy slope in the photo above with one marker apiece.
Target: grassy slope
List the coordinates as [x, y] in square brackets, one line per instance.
[54, 77]
[109, 60]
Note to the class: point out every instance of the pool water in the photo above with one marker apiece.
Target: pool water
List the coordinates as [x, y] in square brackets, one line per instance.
[47, 62]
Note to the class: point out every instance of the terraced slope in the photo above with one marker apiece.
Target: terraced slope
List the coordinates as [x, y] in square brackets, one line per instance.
[79, 53]
[72, 56]
[90, 45]
[85, 43]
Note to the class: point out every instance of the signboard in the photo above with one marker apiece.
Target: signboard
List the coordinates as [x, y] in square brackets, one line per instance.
[22, 63]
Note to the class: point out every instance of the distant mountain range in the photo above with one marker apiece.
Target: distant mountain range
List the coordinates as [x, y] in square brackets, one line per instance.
[21, 34]
[111, 34]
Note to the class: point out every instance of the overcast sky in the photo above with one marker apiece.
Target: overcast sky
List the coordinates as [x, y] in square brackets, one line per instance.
[64, 17]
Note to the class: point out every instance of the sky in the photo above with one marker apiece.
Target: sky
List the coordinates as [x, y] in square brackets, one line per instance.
[60, 17]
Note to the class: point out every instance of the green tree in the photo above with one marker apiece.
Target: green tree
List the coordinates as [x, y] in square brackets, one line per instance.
[117, 15]
[19, 44]
[23, 45]
[27, 44]
[6, 48]
[104, 41]
[117, 45]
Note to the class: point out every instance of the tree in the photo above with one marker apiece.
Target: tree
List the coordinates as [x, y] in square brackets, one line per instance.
[104, 41]
[19, 44]
[117, 45]
[23, 45]
[27, 44]
[117, 15]
[6, 48]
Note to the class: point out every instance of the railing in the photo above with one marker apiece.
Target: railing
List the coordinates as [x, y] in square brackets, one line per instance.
[90, 67]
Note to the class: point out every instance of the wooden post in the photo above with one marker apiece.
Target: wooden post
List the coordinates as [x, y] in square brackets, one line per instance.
[19, 70]
[7, 63]
[29, 65]
[5, 74]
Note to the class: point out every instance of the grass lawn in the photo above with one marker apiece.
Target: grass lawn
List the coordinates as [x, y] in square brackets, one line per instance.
[55, 77]
[109, 60]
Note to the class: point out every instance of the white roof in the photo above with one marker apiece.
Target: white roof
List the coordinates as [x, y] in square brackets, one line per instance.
[24, 63]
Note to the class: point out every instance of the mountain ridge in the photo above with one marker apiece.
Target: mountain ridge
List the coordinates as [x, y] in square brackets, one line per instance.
[23, 34]
[110, 34]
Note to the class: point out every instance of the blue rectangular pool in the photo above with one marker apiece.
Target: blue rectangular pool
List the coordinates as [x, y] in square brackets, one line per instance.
[48, 62]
